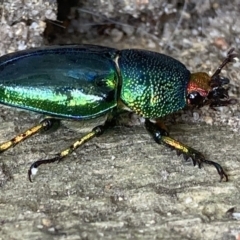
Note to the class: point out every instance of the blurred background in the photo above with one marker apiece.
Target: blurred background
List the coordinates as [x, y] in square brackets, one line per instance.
[175, 25]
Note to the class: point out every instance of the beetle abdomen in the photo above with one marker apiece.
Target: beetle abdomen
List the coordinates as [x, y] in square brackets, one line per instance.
[69, 81]
[153, 84]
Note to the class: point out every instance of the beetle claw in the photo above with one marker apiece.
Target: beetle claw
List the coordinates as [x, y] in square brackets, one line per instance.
[198, 159]
[34, 167]
[32, 171]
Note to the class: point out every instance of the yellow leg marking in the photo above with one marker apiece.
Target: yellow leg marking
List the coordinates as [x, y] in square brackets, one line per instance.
[21, 137]
[174, 143]
[33, 169]
[77, 144]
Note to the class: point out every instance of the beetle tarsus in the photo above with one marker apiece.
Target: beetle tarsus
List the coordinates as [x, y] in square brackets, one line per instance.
[160, 136]
[198, 158]
[34, 167]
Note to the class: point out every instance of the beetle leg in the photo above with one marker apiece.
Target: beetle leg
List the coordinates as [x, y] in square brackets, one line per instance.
[160, 135]
[44, 125]
[96, 132]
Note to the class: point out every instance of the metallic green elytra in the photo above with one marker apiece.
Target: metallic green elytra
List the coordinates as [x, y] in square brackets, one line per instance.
[70, 82]
[82, 82]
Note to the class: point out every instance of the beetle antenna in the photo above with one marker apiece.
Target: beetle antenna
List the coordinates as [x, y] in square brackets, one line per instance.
[230, 56]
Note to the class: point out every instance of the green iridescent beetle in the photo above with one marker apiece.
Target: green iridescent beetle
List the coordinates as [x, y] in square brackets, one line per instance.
[82, 82]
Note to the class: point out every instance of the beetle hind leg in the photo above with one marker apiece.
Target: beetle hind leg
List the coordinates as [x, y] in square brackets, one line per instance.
[96, 132]
[161, 136]
[43, 126]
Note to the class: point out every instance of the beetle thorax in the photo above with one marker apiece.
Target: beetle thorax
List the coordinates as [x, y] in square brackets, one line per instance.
[198, 85]
[199, 82]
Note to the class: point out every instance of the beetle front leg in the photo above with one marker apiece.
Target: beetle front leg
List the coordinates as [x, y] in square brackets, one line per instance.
[160, 135]
[44, 125]
[96, 132]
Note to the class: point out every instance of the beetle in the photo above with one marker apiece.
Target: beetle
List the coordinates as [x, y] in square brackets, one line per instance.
[84, 82]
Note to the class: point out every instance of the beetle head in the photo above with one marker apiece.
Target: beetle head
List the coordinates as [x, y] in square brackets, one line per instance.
[205, 90]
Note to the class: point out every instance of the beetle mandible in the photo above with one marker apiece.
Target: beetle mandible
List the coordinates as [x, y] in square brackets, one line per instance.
[82, 82]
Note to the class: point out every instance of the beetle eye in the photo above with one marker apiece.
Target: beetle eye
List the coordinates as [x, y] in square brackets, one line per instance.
[194, 98]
